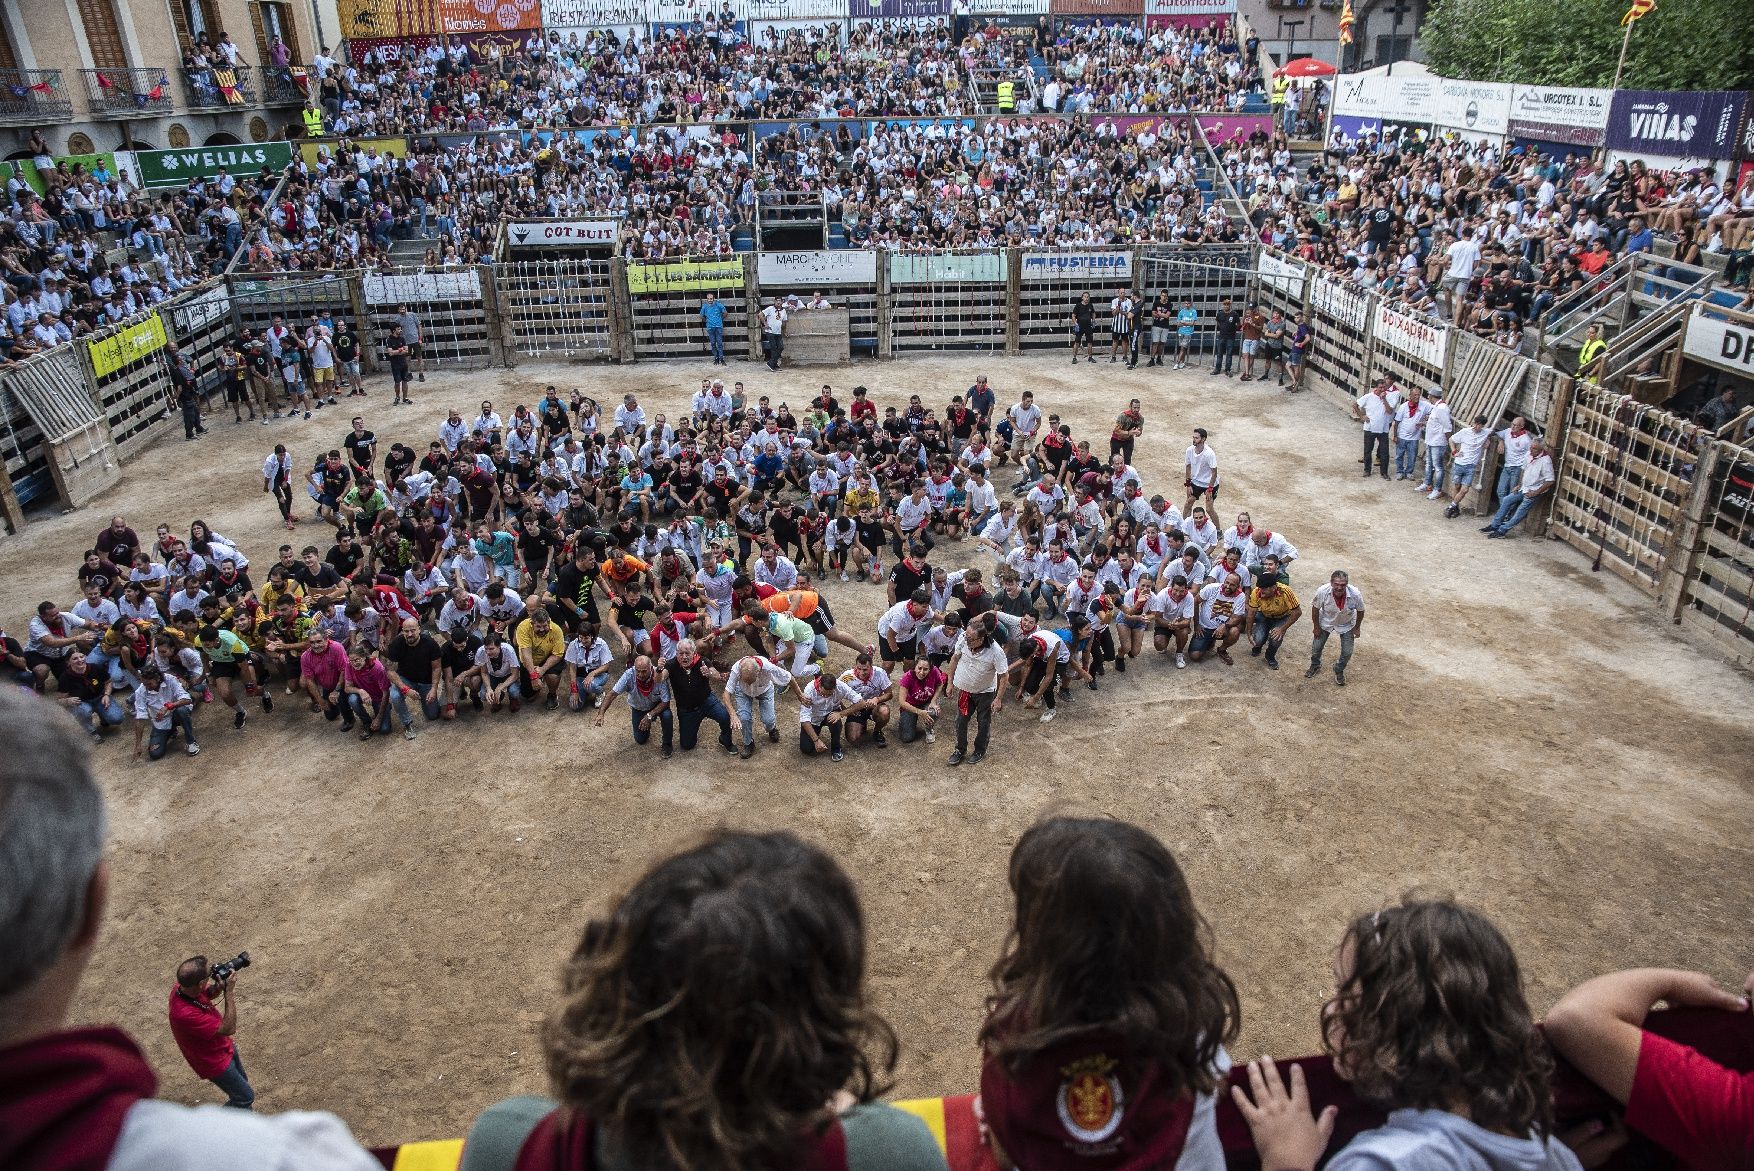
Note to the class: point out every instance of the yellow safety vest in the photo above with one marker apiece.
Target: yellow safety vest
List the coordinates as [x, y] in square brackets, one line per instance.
[313, 123]
[1593, 348]
[1280, 85]
[1007, 95]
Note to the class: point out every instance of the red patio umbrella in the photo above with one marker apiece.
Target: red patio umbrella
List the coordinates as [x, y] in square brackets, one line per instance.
[1305, 67]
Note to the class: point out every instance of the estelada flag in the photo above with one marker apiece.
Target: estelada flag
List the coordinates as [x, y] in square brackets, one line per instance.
[1346, 20]
[1639, 8]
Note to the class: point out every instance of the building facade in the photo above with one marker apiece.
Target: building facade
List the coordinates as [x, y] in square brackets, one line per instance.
[1384, 30]
[93, 76]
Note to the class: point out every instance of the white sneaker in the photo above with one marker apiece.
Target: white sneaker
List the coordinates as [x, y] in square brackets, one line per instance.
[931, 736]
[194, 750]
[844, 577]
[407, 733]
[1047, 717]
[1181, 660]
[1434, 494]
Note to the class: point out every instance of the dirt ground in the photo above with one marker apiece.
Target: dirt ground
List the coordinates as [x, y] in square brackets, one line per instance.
[1517, 731]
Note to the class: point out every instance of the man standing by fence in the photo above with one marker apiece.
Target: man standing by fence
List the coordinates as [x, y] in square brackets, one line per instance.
[712, 315]
[410, 325]
[773, 340]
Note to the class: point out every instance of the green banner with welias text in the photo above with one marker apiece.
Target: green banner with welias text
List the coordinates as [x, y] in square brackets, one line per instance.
[173, 168]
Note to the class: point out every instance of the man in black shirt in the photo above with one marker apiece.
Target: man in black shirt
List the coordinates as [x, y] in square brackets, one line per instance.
[319, 578]
[1084, 328]
[187, 392]
[692, 680]
[360, 445]
[1229, 321]
[575, 588]
[346, 346]
[345, 555]
[456, 660]
[413, 659]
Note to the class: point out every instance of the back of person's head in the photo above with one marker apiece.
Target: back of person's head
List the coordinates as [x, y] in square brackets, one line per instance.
[51, 845]
[1141, 969]
[712, 1014]
[1430, 1014]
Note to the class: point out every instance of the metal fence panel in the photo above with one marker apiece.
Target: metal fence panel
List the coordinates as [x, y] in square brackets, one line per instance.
[555, 308]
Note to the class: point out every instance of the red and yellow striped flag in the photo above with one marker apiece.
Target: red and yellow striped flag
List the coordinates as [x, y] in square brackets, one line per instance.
[1346, 20]
[1639, 8]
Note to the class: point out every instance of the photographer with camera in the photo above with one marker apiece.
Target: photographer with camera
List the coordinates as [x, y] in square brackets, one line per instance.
[82, 1097]
[204, 1030]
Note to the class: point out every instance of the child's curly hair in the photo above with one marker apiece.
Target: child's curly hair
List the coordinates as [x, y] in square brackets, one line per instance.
[1431, 1015]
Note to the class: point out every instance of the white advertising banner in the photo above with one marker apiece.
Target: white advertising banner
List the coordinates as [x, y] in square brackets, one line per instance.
[1725, 344]
[1391, 98]
[199, 311]
[1412, 337]
[1335, 300]
[1008, 7]
[798, 11]
[381, 289]
[588, 14]
[841, 267]
[1078, 266]
[562, 233]
[1556, 113]
[1189, 7]
[1474, 107]
[691, 11]
[1284, 275]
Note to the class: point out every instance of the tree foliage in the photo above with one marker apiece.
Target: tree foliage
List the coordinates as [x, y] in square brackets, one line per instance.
[1684, 44]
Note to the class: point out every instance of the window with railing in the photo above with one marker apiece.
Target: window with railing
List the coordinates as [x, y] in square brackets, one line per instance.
[128, 93]
[33, 97]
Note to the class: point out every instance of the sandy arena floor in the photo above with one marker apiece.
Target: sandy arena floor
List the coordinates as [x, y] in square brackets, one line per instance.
[1519, 732]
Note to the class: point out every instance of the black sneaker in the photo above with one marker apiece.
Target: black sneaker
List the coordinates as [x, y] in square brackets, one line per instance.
[333, 712]
[1311, 673]
[977, 757]
[1339, 677]
[955, 757]
[238, 718]
[475, 700]
[347, 724]
[880, 740]
[773, 735]
[1256, 649]
[1121, 666]
[267, 701]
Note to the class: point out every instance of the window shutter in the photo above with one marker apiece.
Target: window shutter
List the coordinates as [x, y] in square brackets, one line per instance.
[103, 34]
[8, 58]
[260, 33]
[180, 22]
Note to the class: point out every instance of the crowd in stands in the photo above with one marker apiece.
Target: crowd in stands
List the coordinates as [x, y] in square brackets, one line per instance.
[1490, 240]
[89, 249]
[716, 1014]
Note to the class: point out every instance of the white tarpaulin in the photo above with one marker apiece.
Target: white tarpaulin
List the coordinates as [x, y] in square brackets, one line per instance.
[1724, 344]
[1078, 266]
[1474, 107]
[562, 233]
[1284, 275]
[1395, 98]
[381, 289]
[841, 267]
[1413, 337]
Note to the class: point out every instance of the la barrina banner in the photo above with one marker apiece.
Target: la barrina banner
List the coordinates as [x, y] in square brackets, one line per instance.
[562, 233]
[126, 346]
[675, 276]
[854, 266]
[1412, 337]
[909, 268]
[1555, 113]
[405, 288]
[1077, 266]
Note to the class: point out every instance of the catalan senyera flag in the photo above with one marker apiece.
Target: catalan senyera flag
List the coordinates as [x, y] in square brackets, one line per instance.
[1639, 8]
[227, 81]
[1346, 20]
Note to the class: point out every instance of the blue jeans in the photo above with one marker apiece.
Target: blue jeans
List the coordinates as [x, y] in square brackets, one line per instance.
[690, 719]
[235, 1084]
[395, 701]
[1261, 635]
[108, 712]
[1514, 507]
[1225, 355]
[159, 740]
[665, 723]
[587, 692]
[715, 339]
[1320, 643]
[1435, 459]
[1509, 478]
[429, 694]
[1406, 456]
[748, 706]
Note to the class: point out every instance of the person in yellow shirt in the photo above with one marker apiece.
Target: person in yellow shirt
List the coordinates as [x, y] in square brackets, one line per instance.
[542, 651]
[1272, 610]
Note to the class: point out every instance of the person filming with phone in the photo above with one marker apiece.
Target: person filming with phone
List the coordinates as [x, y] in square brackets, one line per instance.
[204, 1030]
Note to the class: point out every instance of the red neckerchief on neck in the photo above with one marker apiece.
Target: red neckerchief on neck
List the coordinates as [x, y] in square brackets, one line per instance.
[64, 1097]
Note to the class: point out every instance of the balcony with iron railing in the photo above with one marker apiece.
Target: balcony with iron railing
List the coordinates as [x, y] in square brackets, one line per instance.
[219, 88]
[279, 87]
[128, 93]
[33, 97]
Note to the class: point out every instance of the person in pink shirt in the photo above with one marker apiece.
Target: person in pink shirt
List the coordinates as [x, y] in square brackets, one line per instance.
[320, 667]
[371, 695]
[921, 686]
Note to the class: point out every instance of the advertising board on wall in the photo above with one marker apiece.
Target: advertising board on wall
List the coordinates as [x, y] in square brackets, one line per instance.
[1473, 107]
[1682, 124]
[671, 276]
[1727, 345]
[851, 266]
[126, 346]
[173, 168]
[598, 233]
[913, 268]
[1413, 337]
[1556, 113]
[422, 287]
[1077, 266]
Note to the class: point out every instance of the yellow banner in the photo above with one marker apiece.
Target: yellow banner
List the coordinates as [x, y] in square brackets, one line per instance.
[395, 148]
[126, 346]
[681, 275]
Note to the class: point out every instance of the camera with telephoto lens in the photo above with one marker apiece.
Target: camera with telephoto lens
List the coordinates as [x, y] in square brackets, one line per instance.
[223, 972]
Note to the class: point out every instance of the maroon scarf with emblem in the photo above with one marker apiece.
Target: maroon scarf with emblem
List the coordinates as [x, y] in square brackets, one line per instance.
[64, 1096]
